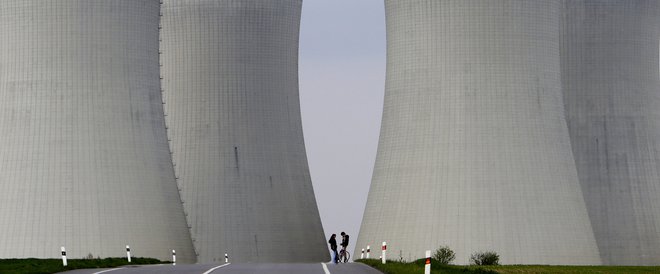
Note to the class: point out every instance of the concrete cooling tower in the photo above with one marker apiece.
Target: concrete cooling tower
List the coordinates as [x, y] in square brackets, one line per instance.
[84, 158]
[230, 79]
[474, 149]
[612, 100]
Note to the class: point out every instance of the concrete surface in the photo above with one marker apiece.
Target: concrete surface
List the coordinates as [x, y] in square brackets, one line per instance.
[230, 80]
[612, 98]
[474, 149]
[84, 159]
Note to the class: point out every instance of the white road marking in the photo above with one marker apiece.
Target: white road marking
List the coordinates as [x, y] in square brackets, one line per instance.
[108, 270]
[325, 268]
[211, 270]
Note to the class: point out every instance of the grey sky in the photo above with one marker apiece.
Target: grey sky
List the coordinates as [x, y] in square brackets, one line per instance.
[342, 78]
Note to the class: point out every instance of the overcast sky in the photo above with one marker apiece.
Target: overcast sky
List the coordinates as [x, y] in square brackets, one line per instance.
[342, 79]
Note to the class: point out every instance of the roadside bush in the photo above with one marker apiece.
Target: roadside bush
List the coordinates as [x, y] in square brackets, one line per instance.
[444, 255]
[485, 258]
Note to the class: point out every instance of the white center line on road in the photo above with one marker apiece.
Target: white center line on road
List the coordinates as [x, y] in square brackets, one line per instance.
[325, 268]
[108, 270]
[211, 270]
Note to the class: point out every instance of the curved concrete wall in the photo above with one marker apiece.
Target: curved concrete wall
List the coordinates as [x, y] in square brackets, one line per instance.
[230, 74]
[474, 149]
[612, 99]
[84, 159]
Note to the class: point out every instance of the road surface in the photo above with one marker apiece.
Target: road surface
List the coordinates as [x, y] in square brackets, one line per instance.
[329, 268]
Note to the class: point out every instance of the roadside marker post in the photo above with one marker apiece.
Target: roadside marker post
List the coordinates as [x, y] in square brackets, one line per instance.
[128, 253]
[384, 248]
[427, 265]
[64, 262]
[368, 251]
[173, 257]
[226, 258]
[362, 254]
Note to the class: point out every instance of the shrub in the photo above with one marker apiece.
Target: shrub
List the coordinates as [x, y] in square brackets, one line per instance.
[444, 255]
[485, 258]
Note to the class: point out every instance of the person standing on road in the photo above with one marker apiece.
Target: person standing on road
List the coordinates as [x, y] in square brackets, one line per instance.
[344, 242]
[333, 247]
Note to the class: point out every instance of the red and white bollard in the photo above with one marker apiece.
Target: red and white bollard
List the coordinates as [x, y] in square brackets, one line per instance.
[362, 254]
[128, 253]
[368, 251]
[384, 248]
[427, 265]
[173, 257]
[64, 256]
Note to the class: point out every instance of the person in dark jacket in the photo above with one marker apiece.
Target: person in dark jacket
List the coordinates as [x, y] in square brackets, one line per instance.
[344, 240]
[333, 247]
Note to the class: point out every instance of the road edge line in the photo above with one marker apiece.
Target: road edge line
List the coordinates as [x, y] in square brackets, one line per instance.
[212, 269]
[107, 270]
[325, 268]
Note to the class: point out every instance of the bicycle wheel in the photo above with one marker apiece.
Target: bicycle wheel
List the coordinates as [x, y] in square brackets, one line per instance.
[345, 257]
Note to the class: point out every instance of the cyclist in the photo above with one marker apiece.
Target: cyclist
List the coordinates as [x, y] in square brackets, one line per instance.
[333, 247]
[344, 244]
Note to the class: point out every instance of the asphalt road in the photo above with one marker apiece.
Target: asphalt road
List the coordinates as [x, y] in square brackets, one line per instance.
[351, 268]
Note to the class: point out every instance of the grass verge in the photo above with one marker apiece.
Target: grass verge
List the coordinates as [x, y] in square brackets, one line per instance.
[47, 266]
[417, 267]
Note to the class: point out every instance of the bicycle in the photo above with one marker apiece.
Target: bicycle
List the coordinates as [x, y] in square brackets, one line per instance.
[344, 256]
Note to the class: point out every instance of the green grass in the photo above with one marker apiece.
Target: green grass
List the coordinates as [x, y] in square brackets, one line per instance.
[574, 269]
[47, 266]
[417, 267]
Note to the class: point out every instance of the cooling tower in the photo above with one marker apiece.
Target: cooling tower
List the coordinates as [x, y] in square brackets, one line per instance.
[474, 150]
[84, 158]
[612, 100]
[230, 78]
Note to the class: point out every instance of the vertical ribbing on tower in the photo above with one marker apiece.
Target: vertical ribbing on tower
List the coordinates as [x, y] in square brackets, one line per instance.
[230, 76]
[612, 100]
[84, 160]
[474, 150]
